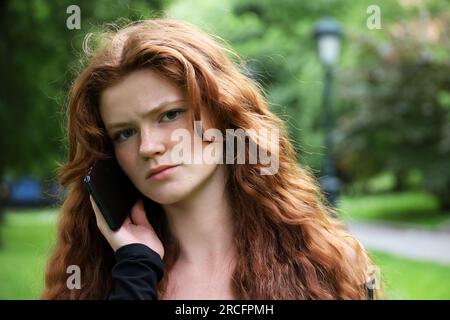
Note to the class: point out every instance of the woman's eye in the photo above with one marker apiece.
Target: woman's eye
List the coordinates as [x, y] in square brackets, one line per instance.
[123, 135]
[171, 115]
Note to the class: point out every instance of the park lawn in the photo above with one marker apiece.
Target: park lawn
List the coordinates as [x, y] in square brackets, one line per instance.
[406, 279]
[414, 208]
[28, 238]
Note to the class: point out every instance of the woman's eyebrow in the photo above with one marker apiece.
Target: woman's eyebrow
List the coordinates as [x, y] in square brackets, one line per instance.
[152, 111]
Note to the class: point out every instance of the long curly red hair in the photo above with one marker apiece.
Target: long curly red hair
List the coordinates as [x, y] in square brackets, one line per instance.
[289, 246]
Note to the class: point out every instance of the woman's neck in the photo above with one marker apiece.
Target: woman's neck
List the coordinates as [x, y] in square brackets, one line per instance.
[203, 224]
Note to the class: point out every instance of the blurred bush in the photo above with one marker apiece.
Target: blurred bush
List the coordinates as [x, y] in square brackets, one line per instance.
[397, 108]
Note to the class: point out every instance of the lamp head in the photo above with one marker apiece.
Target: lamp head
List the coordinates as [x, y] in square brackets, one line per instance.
[328, 36]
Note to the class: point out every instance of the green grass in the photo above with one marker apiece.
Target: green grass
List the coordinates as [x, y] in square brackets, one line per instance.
[415, 208]
[29, 236]
[410, 280]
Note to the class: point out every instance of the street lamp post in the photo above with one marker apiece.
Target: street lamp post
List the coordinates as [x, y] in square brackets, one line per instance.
[328, 35]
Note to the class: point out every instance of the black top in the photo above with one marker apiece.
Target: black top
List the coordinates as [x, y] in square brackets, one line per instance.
[137, 271]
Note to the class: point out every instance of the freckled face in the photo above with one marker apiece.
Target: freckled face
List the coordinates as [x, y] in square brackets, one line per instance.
[140, 113]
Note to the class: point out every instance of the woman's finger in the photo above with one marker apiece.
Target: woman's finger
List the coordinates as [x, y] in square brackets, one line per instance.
[127, 221]
[101, 222]
[138, 214]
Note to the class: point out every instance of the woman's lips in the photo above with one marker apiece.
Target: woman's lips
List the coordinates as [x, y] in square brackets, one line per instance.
[162, 174]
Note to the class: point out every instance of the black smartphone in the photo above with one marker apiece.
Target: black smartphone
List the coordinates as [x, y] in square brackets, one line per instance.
[112, 191]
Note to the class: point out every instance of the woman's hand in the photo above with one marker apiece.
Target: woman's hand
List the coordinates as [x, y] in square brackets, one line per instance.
[135, 229]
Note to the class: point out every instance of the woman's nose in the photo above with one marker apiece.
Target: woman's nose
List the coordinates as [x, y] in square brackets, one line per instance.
[151, 143]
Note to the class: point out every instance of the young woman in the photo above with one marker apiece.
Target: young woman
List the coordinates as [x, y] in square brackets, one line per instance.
[222, 230]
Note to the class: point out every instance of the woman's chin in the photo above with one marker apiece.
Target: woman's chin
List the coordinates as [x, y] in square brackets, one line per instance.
[166, 198]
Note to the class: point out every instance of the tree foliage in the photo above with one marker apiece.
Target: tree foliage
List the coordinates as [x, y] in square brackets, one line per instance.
[38, 58]
[397, 115]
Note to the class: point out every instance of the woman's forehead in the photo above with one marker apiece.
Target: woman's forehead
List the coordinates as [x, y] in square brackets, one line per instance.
[143, 91]
[142, 86]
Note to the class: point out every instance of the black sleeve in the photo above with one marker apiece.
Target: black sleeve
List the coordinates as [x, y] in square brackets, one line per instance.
[135, 275]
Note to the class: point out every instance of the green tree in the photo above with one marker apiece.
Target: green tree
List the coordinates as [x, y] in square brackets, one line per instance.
[398, 112]
[39, 56]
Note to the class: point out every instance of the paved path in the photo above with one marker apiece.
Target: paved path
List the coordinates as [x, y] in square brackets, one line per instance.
[407, 242]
